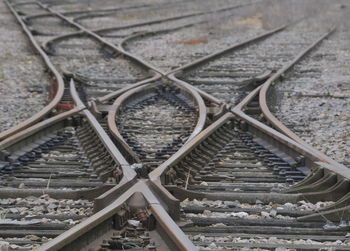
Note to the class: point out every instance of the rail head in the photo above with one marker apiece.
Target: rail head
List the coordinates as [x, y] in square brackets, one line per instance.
[219, 53]
[202, 109]
[128, 172]
[263, 92]
[30, 131]
[119, 92]
[139, 195]
[47, 44]
[129, 95]
[75, 95]
[137, 60]
[156, 174]
[308, 152]
[57, 77]
[112, 114]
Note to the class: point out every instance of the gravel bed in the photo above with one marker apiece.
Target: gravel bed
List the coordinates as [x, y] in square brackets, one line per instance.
[23, 80]
[39, 210]
[34, 206]
[215, 242]
[257, 211]
[300, 206]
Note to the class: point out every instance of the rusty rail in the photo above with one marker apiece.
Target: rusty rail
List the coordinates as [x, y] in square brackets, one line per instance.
[100, 39]
[151, 193]
[119, 92]
[172, 75]
[262, 92]
[57, 77]
[178, 240]
[143, 34]
[128, 95]
[277, 76]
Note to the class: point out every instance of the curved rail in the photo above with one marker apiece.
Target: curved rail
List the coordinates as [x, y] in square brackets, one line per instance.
[58, 78]
[205, 95]
[127, 95]
[136, 24]
[172, 74]
[303, 148]
[48, 43]
[188, 24]
[278, 75]
[152, 33]
[117, 93]
[112, 115]
[100, 39]
[262, 90]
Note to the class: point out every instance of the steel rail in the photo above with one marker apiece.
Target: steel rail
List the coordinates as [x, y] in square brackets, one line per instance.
[204, 94]
[191, 14]
[128, 95]
[202, 110]
[117, 93]
[277, 76]
[23, 137]
[77, 194]
[170, 228]
[75, 95]
[139, 60]
[98, 31]
[179, 240]
[101, 40]
[88, 224]
[112, 116]
[333, 165]
[80, 108]
[185, 149]
[57, 77]
[126, 189]
[25, 133]
[87, 13]
[270, 134]
[24, 3]
[100, 10]
[129, 175]
[153, 33]
[110, 146]
[126, 8]
[150, 33]
[172, 75]
[262, 90]
[114, 28]
[233, 47]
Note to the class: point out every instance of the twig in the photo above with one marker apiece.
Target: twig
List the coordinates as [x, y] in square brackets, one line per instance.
[48, 182]
[188, 178]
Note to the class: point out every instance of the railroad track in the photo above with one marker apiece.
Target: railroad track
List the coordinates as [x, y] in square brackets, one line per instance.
[146, 154]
